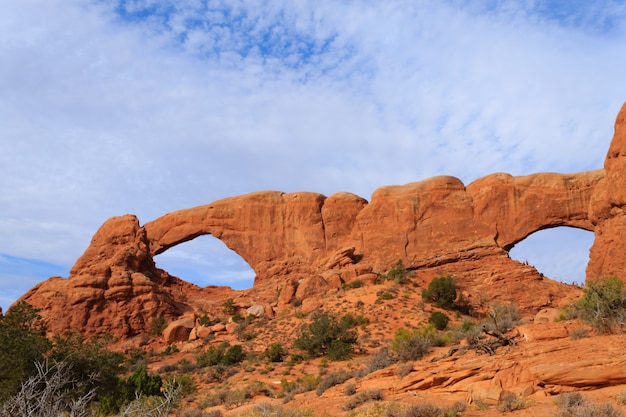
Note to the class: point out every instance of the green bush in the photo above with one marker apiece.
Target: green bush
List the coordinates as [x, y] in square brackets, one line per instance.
[275, 352]
[233, 355]
[409, 345]
[327, 335]
[139, 384]
[87, 358]
[357, 283]
[398, 274]
[224, 354]
[23, 343]
[441, 291]
[228, 307]
[439, 320]
[603, 305]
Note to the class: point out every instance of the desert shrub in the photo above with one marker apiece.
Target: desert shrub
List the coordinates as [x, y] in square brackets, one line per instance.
[357, 283]
[228, 307]
[212, 356]
[168, 368]
[348, 321]
[439, 320]
[349, 389]
[331, 380]
[441, 291]
[327, 335]
[157, 326]
[268, 410]
[294, 359]
[236, 399]
[238, 318]
[275, 352]
[187, 386]
[87, 358]
[404, 369]
[153, 406]
[510, 402]
[574, 404]
[468, 330]
[339, 350]
[228, 398]
[288, 386]
[205, 320]
[386, 295]
[380, 360]
[423, 410]
[138, 384]
[224, 354]
[502, 318]
[233, 355]
[308, 383]
[170, 349]
[603, 305]
[579, 333]
[257, 387]
[23, 341]
[398, 274]
[184, 366]
[409, 345]
[363, 397]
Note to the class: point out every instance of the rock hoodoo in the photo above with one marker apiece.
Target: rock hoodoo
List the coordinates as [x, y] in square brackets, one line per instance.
[434, 226]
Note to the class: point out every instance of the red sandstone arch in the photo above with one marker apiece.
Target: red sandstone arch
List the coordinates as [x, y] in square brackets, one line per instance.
[296, 233]
[520, 206]
[436, 225]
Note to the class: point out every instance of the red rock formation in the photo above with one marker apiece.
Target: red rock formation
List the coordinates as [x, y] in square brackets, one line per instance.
[606, 210]
[436, 226]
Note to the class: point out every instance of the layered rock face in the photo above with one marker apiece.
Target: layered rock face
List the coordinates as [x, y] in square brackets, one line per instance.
[436, 226]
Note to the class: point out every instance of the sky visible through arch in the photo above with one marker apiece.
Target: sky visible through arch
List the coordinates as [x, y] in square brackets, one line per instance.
[145, 107]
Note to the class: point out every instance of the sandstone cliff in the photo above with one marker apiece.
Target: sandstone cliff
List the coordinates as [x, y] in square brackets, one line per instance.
[307, 240]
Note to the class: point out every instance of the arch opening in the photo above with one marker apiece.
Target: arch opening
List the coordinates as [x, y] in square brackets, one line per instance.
[206, 260]
[559, 253]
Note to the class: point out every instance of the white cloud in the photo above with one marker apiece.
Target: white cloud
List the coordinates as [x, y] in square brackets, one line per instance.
[151, 106]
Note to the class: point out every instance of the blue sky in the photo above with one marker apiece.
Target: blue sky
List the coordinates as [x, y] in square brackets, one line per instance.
[146, 107]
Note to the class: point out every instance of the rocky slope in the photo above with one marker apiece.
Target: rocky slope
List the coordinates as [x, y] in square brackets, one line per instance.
[301, 245]
[309, 253]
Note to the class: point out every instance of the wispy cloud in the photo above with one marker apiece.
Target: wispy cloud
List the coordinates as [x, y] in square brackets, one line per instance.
[110, 107]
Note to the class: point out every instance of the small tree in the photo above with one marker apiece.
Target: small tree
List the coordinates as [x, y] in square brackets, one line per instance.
[86, 359]
[502, 318]
[439, 320]
[327, 335]
[604, 304]
[275, 353]
[22, 344]
[441, 291]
